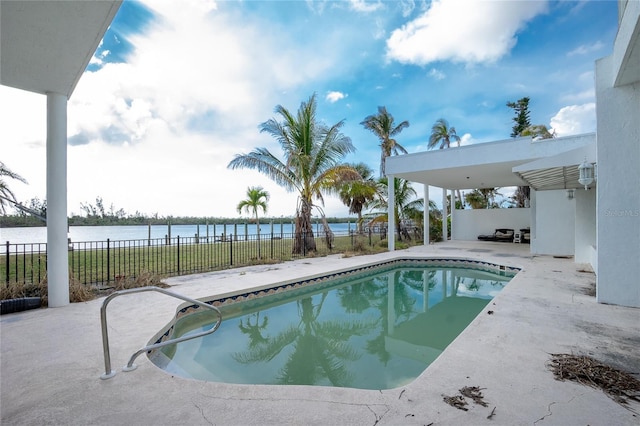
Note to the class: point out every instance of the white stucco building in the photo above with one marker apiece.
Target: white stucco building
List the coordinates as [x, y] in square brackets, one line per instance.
[599, 226]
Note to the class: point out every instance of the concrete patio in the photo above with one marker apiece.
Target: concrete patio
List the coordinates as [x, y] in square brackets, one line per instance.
[51, 359]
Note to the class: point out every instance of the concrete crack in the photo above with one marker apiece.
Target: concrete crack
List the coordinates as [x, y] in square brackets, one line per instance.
[202, 414]
[549, 412]
[378, 417]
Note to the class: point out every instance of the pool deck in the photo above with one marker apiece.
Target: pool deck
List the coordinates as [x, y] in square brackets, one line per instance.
[51, 359]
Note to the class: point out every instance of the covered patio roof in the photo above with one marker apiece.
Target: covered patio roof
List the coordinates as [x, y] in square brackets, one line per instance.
[543, 164]
[47, 45]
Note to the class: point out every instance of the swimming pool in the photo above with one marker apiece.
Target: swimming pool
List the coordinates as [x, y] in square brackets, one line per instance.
[375, 327]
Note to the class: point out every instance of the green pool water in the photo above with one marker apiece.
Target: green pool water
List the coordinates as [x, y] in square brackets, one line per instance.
[370, 331]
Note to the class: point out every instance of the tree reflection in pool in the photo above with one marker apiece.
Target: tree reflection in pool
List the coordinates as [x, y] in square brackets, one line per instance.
[371, 331]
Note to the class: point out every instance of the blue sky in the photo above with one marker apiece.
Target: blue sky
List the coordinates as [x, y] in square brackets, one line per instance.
[176, 89]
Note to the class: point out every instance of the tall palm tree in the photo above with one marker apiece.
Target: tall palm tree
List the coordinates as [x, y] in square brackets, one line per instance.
[257, 198]
[357, 194]
[443, 134]
[311, 165]
[406, 207]
[6, 195]
[383, 126]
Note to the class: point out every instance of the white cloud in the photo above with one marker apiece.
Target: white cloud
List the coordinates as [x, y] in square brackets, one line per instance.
[437, 74]
[156, 133]
[583, 96]
[586, 49]
[476, 32]
[466, 139]
[334, 97]
[407, 7]
[364, 6]
[574, 120]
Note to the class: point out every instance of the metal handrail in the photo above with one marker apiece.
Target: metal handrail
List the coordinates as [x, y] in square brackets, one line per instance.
[109, 373]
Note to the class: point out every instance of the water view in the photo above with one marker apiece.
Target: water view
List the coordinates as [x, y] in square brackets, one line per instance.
[27, 235]
[374, 331]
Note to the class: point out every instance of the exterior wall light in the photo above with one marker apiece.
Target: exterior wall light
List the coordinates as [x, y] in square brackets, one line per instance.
[586, 174]
[571, 193]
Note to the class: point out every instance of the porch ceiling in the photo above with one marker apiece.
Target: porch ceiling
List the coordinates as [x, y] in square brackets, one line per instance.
[492, 175]
[46, 45]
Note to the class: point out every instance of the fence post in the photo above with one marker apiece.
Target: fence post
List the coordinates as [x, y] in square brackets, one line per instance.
[231, 250]
[108, 259]
[271, 239]
[7, 263]
[178, 255]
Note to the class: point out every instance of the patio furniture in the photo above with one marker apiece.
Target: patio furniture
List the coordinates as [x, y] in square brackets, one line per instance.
[500, 234]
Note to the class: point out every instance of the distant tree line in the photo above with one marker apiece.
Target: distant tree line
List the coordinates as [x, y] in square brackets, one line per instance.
[98, 215]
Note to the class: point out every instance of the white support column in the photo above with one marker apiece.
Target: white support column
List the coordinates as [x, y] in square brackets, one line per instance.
[391, 217]
[425, 220]
[453, 207]
[57, 248]
[444, 215]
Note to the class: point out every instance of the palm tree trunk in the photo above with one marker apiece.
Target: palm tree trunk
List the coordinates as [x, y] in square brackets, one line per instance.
[258, 236]
[303, 239]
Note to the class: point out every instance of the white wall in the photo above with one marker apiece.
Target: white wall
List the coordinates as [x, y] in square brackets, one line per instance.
[555, 224]
[585, 205]
[468, 224]
[618, 188]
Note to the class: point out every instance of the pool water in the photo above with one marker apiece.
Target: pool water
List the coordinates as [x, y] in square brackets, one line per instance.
[375, 330]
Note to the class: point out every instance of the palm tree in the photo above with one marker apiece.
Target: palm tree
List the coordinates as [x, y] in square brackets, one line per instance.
[443, 134]
[405, 208]
[490, 196]
[257, 198]
[483, 198]
[357, 194]
[383, 126]
[476, 199]
[311, 166]
[5, 193]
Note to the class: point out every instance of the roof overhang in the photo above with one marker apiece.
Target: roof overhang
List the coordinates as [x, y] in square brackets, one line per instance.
[483, 165]
[46, 45]
[626, 48]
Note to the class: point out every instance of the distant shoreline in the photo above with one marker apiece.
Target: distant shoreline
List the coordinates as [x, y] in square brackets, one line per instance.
[16, 221]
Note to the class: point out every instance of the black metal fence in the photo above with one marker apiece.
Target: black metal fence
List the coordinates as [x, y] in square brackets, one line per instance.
[101, 262]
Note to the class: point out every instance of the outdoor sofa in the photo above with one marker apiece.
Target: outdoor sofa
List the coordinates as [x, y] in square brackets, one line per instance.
[501, 234]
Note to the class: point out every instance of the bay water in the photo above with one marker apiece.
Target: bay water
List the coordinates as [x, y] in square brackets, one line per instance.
[28, 235]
